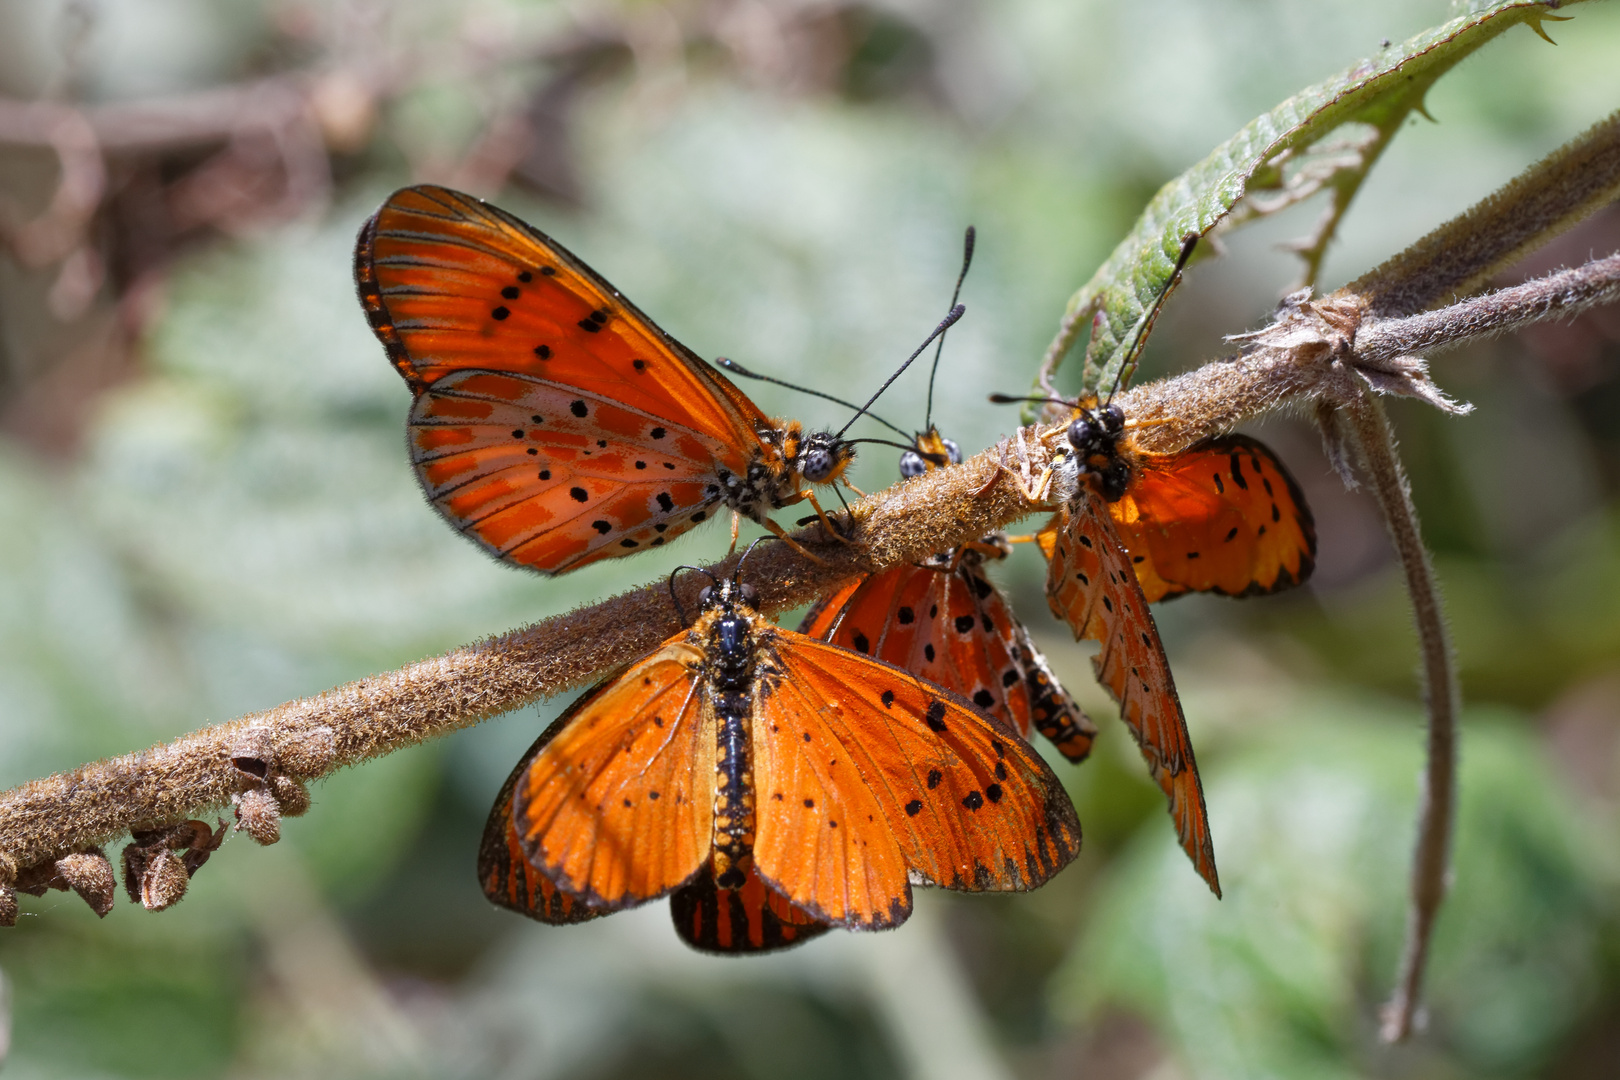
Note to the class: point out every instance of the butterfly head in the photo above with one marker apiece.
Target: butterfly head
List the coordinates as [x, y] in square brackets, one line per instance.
[727, 597]
[929, 450]
[1094, 435]
[823, 457]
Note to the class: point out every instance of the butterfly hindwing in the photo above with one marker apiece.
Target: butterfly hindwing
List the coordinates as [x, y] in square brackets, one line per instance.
[1225, 516]
[493, 324]
[752, 919]
[617, 808]
[555, 478]
[1091, 585]
[867, 777]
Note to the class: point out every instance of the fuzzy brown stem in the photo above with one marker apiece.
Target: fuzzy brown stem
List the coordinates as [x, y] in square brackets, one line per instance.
[1460, 256]
[88, 806]
[1560, 295]
[1437, 806]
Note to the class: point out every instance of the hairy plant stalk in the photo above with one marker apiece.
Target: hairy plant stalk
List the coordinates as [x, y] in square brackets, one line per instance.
[1375, 446]
[1564, 294]
[1460, 256]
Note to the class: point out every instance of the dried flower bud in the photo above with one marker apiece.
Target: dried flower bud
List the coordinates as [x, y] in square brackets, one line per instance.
[8, 869]
[291, 794]
[89, 874]
[258, 815]
[136, 857]
[8, 906]
[164, 882]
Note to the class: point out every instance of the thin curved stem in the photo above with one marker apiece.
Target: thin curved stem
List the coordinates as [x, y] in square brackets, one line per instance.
[1437, 806]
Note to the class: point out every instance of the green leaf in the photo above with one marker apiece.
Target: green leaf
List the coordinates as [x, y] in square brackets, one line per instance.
[1296, 149]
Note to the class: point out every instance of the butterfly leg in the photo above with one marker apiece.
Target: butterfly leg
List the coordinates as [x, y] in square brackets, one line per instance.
[845, 481]
[781, 534]
[1032, 488]
[826, 522]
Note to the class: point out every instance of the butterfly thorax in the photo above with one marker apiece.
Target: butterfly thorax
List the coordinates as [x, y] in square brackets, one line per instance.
[726, 630]
[1097, 437]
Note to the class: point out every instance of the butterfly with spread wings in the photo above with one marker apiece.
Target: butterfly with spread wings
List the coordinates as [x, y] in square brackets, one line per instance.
[553, 422]
[772, 785]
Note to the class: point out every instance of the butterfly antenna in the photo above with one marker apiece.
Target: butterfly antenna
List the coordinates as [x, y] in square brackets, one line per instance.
[737, 369]
[1188, 242]
[945, 324]
[736, 575]
[676, 600]
[1009, 399]
[967, 261]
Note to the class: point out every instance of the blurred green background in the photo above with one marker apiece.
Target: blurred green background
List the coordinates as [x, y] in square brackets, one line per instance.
[207, 509]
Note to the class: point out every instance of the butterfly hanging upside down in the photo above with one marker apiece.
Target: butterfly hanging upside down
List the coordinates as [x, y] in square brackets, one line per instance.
[553, 422]
[943, 619]
[773, 785]
[1224, 516]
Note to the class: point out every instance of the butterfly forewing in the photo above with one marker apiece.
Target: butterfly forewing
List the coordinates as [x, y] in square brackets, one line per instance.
[618, 807]
[1091, 585]
[751, 919]
[863, 773]
[539, 388]
[1225, 516]
[504, 870]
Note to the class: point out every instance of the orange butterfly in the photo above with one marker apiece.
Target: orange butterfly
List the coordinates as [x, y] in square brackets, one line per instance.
[553, 422]
[1224, 516]
[943, 619]
[774, 784]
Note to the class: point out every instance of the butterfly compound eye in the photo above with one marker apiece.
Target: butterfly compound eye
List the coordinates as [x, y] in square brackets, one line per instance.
[1082, 435]
[750, 596]
[703, 597]
[953, 451]
[912, 464]
[818, 464]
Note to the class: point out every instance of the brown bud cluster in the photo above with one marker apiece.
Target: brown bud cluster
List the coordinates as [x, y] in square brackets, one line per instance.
[264, 793]
[158, 863]
[87, 873]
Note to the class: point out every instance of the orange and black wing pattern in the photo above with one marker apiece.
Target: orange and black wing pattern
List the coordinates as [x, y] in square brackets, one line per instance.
[504, 870]
[866, 779]
[1225, 516]
[553, 423]
[617, 807]
[947, 622]
[752, 919]
[1091, 586]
